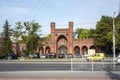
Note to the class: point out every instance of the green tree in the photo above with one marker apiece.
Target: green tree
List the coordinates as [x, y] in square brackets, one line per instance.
[31, 37]
[91, 33]
[77, 32]
[103, 34]
[84, 34]
[48, 37]
[45, 40]
[2, 48]
[17, 34]
[6, 41]
[117, 23]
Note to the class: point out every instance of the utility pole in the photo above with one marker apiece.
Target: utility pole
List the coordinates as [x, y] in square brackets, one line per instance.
[119, 9]
[114, 35]
[114, 41]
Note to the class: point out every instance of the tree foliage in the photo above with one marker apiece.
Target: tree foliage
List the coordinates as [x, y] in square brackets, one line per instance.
[31, 38]
[27, 33]
[103, 34]
[6, 44]
[84, 33]
[117, 23]
[17, 34]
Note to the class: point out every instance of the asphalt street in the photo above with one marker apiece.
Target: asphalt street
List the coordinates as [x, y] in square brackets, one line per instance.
[33, 67]
[62, 65]
[55, 70]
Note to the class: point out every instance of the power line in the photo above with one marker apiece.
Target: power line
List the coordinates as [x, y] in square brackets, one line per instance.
[40, 8]
[33, 8]
[37, 11]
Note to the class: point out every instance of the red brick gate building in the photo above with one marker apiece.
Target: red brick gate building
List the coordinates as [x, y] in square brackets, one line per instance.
[62, 41]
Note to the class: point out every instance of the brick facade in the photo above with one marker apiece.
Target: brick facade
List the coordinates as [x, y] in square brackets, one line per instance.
[62, 41]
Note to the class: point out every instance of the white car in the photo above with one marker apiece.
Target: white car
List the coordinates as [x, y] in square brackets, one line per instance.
[43, 55]
[118, 59]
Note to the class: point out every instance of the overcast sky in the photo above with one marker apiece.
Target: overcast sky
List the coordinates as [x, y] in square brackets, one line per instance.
[84, 13]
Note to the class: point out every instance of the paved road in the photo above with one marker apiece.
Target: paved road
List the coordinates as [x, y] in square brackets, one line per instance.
[51, 70]
[55, 66]
[33, 67]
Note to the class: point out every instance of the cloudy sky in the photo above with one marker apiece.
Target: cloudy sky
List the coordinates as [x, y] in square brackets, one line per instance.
[84, 13]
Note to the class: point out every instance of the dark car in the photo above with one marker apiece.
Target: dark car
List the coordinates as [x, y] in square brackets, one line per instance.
[52, 55]
[78, 56]
[61, 55]
[11, 56]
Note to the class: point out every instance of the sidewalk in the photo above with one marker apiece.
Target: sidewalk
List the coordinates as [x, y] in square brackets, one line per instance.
[59, 75]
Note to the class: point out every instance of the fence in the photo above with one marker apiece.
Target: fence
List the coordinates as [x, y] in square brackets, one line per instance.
[79, 64]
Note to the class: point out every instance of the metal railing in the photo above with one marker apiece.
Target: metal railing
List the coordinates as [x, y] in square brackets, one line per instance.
[80, 64]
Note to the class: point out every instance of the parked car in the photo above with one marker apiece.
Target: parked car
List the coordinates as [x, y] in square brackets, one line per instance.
[43, 55]
[11, 56]
[97, 56]
[69, 56]
[35, 55]
[78, 56]
[118, 59]
[61, 55]
[85, 55]
[52, 55]
[30, 55]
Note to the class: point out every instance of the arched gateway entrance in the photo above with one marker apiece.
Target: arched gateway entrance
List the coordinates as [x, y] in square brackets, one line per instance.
[62, 45]
[63, 50]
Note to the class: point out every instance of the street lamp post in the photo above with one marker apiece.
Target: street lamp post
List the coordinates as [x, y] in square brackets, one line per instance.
[114, 36]
[114, 41]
